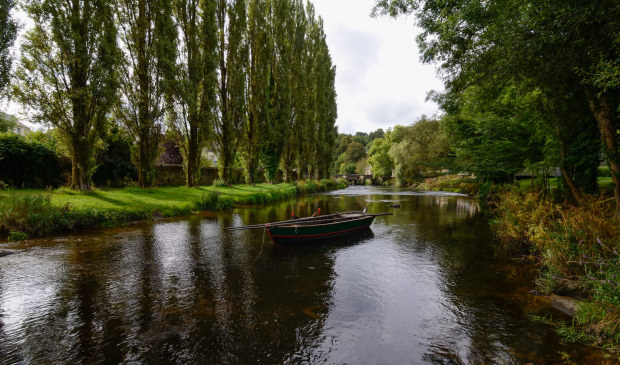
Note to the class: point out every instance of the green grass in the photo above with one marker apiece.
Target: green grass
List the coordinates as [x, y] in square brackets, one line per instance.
[156, 199]
[43, 212]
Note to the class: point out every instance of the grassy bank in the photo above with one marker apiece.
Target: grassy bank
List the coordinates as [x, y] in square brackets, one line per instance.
[42, 212]
[451, 183]
[577, 251]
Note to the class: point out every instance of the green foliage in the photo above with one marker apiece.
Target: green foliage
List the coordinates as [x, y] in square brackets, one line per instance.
[195, 83]
[232, 23]
[67, 73]
[574, 244]
[452, 183]
[17, 236]
[27, 164]
[355, 152]
[7, 122]
[420, 148]
[494, 139]
[380, 159]
[147, 71]
[114, 167]
[219, 183]
[8, 32]
[213, 201]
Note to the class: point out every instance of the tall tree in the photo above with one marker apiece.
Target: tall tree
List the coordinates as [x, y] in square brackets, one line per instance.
[299, 102]
[148, 36]
[8, 32]
[67, 73]
[324, 111]
[258, 94]
[195, 89]
[281, 26]
[232, 51]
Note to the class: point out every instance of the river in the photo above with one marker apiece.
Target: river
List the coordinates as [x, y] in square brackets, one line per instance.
[425, 285]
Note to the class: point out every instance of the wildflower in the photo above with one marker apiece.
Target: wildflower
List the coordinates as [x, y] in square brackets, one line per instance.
[599, 241]
[585, 256]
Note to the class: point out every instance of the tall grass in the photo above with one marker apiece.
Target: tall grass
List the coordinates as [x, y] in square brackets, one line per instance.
[35, 215]
[576, 245]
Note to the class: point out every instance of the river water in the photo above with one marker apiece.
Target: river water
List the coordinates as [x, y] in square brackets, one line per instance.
[425, 285]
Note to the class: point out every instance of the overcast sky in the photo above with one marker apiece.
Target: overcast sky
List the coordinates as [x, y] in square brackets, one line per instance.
[379, 78]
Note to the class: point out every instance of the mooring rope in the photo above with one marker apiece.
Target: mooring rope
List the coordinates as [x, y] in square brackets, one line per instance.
[261, 245]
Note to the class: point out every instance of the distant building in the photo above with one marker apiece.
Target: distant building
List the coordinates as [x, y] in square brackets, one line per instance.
[17, 127]
[21, 129]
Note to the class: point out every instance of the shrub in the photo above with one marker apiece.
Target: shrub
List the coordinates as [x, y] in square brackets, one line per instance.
[28, 164]
[219, 183]
[17, 236]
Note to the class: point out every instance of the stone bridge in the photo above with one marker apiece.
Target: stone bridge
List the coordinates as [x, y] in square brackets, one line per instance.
[355, 179]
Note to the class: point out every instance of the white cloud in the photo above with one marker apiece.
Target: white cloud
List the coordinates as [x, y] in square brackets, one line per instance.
[380, 80]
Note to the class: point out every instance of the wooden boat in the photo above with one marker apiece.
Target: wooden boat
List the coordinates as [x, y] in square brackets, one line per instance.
[295, 231]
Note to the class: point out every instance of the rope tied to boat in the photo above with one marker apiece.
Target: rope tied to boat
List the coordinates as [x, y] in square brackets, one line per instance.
[262, 244]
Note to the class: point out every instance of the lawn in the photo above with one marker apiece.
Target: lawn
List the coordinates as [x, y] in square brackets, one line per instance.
[154, 199]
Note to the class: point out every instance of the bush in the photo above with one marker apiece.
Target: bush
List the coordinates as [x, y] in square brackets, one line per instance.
[28, 164]
[219, 183]
[17, 236]
[574, 245]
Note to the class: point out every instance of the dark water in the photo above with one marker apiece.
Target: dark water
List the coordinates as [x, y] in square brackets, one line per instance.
[423, 286]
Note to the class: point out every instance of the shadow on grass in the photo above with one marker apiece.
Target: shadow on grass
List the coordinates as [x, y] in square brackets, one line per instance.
[116, 202]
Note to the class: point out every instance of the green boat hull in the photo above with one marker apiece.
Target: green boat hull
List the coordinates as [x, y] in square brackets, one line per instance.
[295, 234]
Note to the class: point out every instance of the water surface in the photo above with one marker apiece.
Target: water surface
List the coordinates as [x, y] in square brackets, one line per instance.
[422, 286]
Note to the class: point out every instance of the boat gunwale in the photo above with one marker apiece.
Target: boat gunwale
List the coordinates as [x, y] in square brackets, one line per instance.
[313, 223]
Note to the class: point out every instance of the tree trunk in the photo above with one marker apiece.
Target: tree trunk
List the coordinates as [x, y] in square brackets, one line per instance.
[192, 157]
[79, 165]
[568, 177]
[603, 113]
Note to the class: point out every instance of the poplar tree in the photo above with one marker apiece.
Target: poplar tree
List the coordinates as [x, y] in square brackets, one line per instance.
[232, 59]
[306, 144]
[8, 32]
[67, 73]
[298, 76]
[258, 94]
[280, 84]
[195, 89]
[148, 36]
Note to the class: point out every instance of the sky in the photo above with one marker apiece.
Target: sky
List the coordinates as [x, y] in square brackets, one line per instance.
[380, 79]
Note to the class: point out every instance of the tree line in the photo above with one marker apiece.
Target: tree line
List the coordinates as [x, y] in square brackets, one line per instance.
[528, 84]
[251, 80]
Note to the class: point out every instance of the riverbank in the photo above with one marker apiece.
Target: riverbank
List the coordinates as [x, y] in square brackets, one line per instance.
[576, 250]
[27, 213]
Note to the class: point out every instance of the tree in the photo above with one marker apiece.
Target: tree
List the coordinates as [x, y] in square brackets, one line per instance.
[355, 152]
[422, 148]
[148, 36]
[232, 51]
[8, 32]
[379, 158]
[6, 122]
[561, 48]
[258, 97]
[281, 25]
[67, 74]
[194, 91]
[494, 137]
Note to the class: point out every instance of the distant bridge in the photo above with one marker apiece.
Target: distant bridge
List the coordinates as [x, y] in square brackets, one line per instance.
[355, 179]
